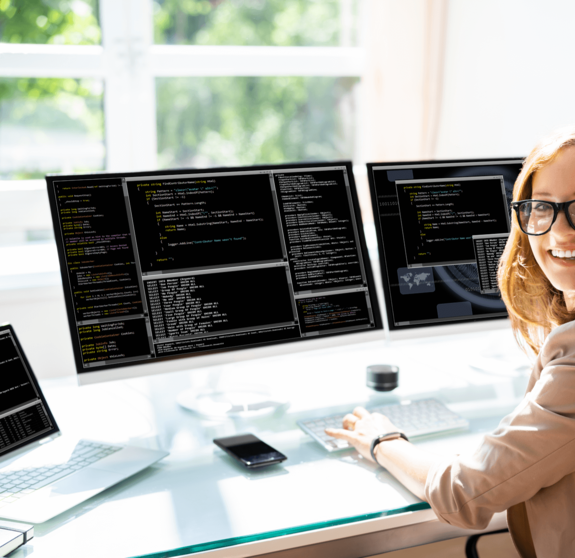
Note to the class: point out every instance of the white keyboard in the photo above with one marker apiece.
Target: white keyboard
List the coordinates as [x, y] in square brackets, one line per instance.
[415, 418]
[15, 484]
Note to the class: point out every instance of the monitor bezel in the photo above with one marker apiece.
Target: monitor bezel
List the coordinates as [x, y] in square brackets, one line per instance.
[120, 371]
[427, 329]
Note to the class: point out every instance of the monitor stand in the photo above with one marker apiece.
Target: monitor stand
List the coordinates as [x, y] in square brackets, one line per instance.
[220, 400]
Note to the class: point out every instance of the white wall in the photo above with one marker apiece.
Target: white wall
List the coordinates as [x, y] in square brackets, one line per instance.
[39, 319]
[509, 76]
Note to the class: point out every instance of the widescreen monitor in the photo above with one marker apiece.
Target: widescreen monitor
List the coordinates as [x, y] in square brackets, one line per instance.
[441, 228]
[171, 270]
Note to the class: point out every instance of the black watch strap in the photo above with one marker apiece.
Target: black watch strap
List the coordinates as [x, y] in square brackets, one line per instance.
[383, 438]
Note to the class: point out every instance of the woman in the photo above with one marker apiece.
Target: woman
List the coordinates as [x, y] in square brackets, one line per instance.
[527, 466]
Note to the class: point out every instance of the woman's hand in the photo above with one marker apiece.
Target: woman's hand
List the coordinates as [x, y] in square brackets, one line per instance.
[360, 428]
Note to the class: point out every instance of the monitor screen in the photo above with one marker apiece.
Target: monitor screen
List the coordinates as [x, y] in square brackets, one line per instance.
[24, 414]
[168, 264]
[441, 228]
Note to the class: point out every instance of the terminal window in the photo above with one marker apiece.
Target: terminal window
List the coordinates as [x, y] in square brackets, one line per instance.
[23, 415]
[439, 217]
[171, 264]
[488, 251]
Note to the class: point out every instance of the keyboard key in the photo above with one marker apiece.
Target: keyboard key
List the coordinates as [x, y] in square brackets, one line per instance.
[81, 451]
[51, 479]
[91, 453]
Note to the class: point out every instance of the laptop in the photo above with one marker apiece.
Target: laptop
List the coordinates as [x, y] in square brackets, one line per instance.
[42, 473]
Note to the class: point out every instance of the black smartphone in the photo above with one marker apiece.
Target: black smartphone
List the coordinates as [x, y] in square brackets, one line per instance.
[249, 450]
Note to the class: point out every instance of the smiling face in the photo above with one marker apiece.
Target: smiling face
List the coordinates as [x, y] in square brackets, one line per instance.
[555, 251]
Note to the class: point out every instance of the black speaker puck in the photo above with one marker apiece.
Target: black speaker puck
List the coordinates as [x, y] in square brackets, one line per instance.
[382, 377]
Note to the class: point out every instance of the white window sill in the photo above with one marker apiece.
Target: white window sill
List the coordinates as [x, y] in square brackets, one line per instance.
[29, 265]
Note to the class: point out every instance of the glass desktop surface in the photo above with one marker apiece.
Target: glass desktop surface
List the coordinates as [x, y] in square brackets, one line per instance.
[199, 499]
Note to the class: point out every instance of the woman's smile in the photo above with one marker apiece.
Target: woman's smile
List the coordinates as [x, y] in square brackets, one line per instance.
[555, 250]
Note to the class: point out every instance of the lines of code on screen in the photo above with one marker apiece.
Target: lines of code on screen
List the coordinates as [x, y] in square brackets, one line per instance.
[23, 424]
[488, 252]
[23, 414]
[206, 222]
[208, 303]
[15, 386]
[98, 249]
[318, 225]
[333, 312]
[175, 263]
[439, 217]
[124, 339]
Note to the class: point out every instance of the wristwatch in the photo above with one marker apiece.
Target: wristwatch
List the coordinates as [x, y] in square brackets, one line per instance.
[383, 438]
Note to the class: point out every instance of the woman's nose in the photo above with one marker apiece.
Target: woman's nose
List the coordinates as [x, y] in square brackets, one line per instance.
[562, 226]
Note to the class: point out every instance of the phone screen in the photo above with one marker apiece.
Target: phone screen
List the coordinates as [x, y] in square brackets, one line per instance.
[250, 450]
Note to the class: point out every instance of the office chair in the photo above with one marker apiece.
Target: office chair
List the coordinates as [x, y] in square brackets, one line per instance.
[471, 544]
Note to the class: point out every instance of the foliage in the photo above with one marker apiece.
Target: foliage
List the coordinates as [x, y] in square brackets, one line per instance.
[248, 120]
[63, 104]
[60, 22]
[247, 22]
[46, 108]
[201, 121]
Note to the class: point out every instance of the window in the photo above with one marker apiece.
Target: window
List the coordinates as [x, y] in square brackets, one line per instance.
[91, 85]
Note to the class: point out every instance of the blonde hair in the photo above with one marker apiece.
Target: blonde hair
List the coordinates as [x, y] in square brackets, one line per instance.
[535, 307]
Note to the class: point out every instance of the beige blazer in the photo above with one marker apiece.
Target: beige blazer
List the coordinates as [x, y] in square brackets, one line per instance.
[529, 458]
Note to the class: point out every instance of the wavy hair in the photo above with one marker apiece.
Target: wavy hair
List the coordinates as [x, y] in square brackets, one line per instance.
[535, 307]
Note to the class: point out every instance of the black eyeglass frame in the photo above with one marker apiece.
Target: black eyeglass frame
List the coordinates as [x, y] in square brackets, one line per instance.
[557, 207]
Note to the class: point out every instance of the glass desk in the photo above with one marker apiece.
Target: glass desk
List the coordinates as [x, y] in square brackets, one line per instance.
[199, 501]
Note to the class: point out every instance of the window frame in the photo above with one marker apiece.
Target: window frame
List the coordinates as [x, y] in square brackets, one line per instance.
[128, 62]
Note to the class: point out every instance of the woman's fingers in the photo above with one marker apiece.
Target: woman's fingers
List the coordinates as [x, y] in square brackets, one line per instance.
[360, 412]
[339, 433]
[349, 421]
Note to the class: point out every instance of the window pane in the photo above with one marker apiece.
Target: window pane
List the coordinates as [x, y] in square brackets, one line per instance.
[46, 125]
[253, 120]
[50, 125]
[256, 22]
[60, 22]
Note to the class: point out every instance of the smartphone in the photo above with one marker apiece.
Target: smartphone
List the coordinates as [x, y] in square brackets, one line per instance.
[250, 451]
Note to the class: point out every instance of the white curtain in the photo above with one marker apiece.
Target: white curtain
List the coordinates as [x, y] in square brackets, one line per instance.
[403, 82]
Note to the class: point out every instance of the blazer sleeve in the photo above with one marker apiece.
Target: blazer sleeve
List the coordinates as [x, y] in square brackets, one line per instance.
[532, 448]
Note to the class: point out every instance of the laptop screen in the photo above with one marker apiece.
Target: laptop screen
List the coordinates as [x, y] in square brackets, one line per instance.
[24, 413]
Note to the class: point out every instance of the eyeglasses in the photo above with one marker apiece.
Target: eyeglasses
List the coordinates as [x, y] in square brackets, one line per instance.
[536, 217]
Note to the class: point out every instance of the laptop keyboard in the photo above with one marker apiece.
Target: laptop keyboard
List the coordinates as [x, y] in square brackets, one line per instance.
[16, 484]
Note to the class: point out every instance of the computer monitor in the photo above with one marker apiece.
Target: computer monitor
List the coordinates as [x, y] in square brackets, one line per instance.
[159, 267]
[441, 228]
